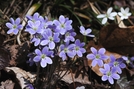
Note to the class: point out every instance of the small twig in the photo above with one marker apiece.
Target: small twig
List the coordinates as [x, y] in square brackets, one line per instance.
[3, 14]
[9, 8]
[8, 40]
[131, 22]
[37, 77]
[27, 8]
[72, 79]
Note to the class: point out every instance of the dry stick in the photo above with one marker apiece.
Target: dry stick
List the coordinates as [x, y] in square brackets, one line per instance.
[8, 40]
[72, 78]
[15, 9]
[8, 9]
[24, 23]
[3, 14]
[27, 8]
[131, 22]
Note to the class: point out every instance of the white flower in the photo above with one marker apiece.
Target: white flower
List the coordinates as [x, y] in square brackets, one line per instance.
[124, 14]
[82, 87]
[109, 15]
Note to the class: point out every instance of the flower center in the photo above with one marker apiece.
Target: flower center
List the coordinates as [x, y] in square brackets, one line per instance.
[65, 50]
[116, 63]
[15, 26]
[108, 73]
[45, 26]
[67, 34]
[62, 26]
[97, 56]
[124, 14]
[38, 36]
[85, 33]
[43, 56]
[107, 15]
[51, 38]
[35, 28]
[76, 48]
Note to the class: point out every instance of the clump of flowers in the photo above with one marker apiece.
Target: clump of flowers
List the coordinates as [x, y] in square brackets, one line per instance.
[55, 40]
[110, 70]
[124, 14]
[109, 73]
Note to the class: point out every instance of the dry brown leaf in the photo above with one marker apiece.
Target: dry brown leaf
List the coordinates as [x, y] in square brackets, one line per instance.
[8, 84]
[120, 22]
[82, 15]
[93, 7]
[22, 75]
[118, 40]
[68, 78]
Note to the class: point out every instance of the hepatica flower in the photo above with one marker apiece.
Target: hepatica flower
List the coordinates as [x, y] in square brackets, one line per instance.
[33, 27]
[69, 36]
[62, 25]
[14, 26]
[29, 86]
[97, 57]
[124, 14]
[117, 64]
[109, 74]
[66, 50]
[50, 39]
[109, 15]
[129, 61]
[43, 56]
[37, 38]
[78, 48]
[34, 18]
[86, 32]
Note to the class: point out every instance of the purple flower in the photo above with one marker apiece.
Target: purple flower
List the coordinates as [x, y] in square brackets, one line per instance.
[69, 36]
[62, 25]
[86, 32]
[29, 86]
[33, 27]
[50, 39]
[97, 56]
[14, 26]
[37, 38]
[66, 50]
[129, 61]
[78, 49]
[45, 24]
[117, 64]
[30, 61]
[109, 74]
[34, 18]
[43, 56]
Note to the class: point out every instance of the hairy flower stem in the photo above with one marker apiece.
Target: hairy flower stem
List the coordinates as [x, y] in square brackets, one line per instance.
[85, 39]
[37, 77]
